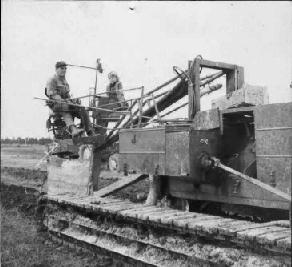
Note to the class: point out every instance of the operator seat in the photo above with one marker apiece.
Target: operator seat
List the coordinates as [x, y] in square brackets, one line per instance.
[55, 122]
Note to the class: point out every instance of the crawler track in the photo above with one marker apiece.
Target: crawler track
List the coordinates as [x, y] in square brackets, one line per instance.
[156, 236]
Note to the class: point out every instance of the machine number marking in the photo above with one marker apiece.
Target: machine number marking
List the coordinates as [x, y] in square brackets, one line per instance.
[204, 141]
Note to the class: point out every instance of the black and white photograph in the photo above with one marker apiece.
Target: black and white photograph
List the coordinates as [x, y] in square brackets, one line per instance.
[146, 133]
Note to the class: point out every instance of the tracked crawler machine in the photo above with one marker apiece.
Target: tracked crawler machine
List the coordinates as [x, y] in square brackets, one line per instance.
[224, 173]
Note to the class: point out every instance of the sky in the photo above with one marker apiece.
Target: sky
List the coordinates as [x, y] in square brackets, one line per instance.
[142, 41]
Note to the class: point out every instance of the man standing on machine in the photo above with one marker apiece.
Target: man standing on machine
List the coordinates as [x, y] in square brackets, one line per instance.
[114, 90]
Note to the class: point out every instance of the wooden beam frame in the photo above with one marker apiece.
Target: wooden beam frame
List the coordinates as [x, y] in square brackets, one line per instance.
[234, 80]
[217, 65]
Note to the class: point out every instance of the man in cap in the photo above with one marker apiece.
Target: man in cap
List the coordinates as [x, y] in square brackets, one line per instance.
[57, 88]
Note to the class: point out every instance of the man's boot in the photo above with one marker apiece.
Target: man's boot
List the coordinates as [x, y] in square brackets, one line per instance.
[75, 131]
[86, 122]
[90, 132]
[154, 190]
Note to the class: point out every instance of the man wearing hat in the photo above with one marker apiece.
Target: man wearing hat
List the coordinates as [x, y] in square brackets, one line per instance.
[57, 88]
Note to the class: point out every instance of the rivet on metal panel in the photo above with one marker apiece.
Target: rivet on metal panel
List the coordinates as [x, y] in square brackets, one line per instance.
[273, 179]
[134, 139]
[253, 148]
[126, 169]
[156, 169]
[236, 186]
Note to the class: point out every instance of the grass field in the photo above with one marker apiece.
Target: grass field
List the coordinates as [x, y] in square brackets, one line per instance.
[21, 242]
[23, 245]
[21, 156]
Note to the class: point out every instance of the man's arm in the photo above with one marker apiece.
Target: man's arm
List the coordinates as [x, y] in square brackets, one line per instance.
[51, 89]
[108, 90]
[52, 93]
[120, 94]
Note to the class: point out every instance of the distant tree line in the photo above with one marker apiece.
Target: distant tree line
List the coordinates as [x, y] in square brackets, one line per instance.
[27, 140]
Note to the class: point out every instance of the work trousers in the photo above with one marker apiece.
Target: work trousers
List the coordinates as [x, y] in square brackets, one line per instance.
[69, 112]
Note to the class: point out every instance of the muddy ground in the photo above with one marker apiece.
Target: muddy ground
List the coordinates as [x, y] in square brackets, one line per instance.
[23, 241]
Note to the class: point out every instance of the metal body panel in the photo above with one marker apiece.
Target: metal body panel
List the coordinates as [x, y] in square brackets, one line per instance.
[177, 160]
[149, 140]
[142, 150]
[163, 151]
[275, 172]
[69, 176]
[149, 163]
[221, 187]
[173, 151]
[273, 115]
[273, 133]
[224, 192]
[274, 141]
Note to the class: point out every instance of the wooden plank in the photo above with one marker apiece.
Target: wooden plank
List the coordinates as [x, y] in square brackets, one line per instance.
[230, 228]
[182, 221]
[285, 243]
[108, 206]
[169, 219]
[99, 201]
[191, 91]
[95, 168]
[251, 234]
[158, 211]
[143, 215]
[231, 81]
[271, 238]
[240, 76]
[175, 214]
[120, 184]
[197, 223]
[191, 222]
[102, 201]
[185, 215]
[217, 65]
[134, 212]
[124, 206]
[157, 217]
[211, 226]
[197, 83]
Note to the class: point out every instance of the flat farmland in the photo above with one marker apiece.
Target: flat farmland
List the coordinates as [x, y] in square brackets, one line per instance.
[22, 156]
